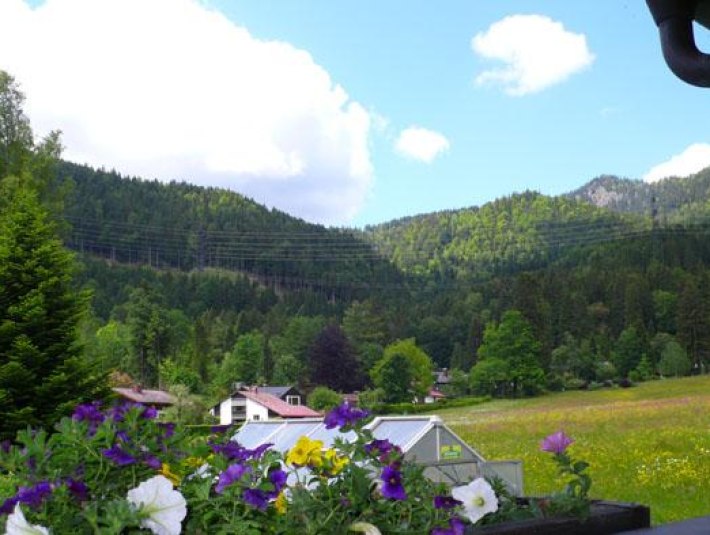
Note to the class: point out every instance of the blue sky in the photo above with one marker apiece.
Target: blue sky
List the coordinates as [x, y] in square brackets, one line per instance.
[302, 105]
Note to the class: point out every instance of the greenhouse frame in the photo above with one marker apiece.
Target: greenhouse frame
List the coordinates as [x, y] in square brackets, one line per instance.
[425, 440]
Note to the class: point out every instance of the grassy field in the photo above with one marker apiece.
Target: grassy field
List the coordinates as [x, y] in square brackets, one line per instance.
[649, 444]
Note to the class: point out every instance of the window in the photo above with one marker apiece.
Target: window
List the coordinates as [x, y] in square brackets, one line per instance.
[256, 418]
[293, 400]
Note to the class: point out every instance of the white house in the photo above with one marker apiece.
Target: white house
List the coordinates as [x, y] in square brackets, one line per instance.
[260, 404]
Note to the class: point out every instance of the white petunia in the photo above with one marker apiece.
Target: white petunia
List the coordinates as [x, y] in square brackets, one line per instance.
[17, 524]
[166, 508]
[365, 527]
[478, 499]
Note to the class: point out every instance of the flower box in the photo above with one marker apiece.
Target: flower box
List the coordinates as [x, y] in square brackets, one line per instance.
[605, 518]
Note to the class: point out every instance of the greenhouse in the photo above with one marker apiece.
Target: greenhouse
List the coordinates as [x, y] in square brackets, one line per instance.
[425, 440]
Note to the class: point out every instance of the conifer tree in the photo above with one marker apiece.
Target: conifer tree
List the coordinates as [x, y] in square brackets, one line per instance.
[42, 372]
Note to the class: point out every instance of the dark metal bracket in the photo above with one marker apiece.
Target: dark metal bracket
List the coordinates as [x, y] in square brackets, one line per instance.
[674, 19]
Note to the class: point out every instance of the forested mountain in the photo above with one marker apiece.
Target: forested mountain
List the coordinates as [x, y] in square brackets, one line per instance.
[181, 226]
[522, 231]
[672, 200]
[204, 287]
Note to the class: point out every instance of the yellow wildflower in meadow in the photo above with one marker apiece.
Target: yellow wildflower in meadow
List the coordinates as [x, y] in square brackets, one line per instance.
[648, 444]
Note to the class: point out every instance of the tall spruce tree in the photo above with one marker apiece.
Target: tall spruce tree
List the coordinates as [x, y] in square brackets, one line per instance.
[42, 372]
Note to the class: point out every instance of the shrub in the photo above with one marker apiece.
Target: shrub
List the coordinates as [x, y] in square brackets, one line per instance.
[323, 398]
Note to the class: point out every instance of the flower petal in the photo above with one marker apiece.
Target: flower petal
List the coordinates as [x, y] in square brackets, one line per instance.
[478, 499]
[166, 507]
[18, 525]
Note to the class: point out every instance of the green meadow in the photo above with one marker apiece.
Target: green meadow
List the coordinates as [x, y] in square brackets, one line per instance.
[648, 444]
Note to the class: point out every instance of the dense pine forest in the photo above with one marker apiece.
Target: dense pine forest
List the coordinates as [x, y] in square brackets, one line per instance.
[194, 289]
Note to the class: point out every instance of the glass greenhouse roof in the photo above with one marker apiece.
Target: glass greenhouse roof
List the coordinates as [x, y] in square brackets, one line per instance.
[399, 432]
[284, 433]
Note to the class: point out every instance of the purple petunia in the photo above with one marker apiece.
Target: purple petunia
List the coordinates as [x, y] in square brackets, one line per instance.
[278, 480]
[257, 452]
[78, 489]
[149, 413]
[344, 415]
[445, 502]
[392, 484]
[8, 505]
[118, 412]
[118, 455]
[231, 450]
[556, 443]
[256, 498]
[236, 452]
[456, 527]
[90, 413]
[152, 461]
[32, 496]
[379, 447]
[168, 429]
[233, 473]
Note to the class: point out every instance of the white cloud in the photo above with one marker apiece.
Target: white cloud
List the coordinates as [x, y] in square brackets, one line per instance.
[692, 160]
[421, 144]
[172, 89]
[537, 51]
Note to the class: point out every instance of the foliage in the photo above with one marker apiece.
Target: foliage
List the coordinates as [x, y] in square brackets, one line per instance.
[458, 384]
[393, 375]
[371, 398]
[628, 351]
[674, 361]
[332, 361]
[512, 346]
[245, 363]
[172, 374]
[323, 399]
[188, 408]
[490, 377]
[419, 362]
[16, 138]
[42, 374]
[25, 162]
[423, 408]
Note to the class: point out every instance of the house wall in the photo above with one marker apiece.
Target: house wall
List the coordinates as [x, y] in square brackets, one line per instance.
[225, 412]
[256, 411]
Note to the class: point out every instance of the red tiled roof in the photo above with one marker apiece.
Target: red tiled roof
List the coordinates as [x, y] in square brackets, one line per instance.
[147, 397]
[279, 406]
